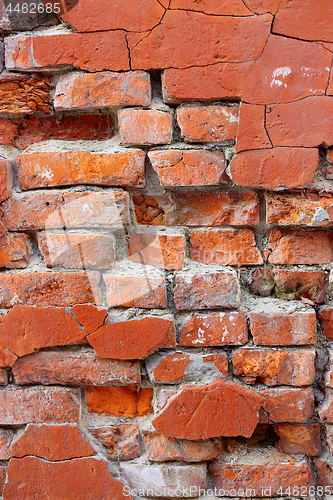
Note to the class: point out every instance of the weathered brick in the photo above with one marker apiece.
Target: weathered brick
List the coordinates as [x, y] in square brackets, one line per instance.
[121, 441]
[213, 123]
[287, 405]
[101, 90]
[85, 209]
[63, 368]
[18, 21]
[177, 367]
[299, 209]
[161, 449]
[328, 377]
[5, 178]
[198, 209]
[282, 328]
[188, 38]
[226, 247]
[266, 478]
[7, 358]
[278, 76]
[325, 409]
[43, 289]
[165, 251]
[172, 479]
[251, 128]
[299, 438]
[22, 406]
[296, 123]
[135, 291]
[217, 7]
[120, 401]
[24, 94]
[185, 415]
[188, 167]
[58, 168]
[215, 329]
[298, 247]
[275, 168]
[77, 251]
[52, 442]
[326, 320]
[145, 126]
[31, 477]
[90, 317]
[134, 339]
[6, 437]
[324, 469]
[29, 130]
[304, 19]
[275, 367]
[206, 291]
[329, 436]
[14, 251]
[89, 52]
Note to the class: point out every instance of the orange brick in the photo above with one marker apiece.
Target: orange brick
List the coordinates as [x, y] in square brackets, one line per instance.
[208, 123]
[121, 441]
[226, 247]
[251, 132]
[77, 251]
[5, 178]
[159, 250]
[326, 319]
[299, 438]
[287, 405]
[14, 251]
[24, 94]
[101, 90]
[188, 167]
[135, 291]
[120, 401]
[145, 126]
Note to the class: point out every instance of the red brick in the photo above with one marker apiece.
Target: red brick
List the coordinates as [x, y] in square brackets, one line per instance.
[89, 51]
[298, 247]
[295, 284]
[216, 7]
[22, 406]
[226, 247]
[272, 367]
[135, 15]
[85, 209]
[325, 409]
[90, 317]
[161, 449]
[101, 90]
[278, 76]
[2, 478]
[185, 415]
[134, 339]
[188, 167]
[121, 441]
[198, 209]
[14, 251]
[215, 329]
[262, 282]
[207, 291]
[3, 376]
[5, 174]
[7, 358]
[77, 251]
[52, 442]
[213, 123]
[282, 328]
[326, 320]
[270, 476]
[24, 94]
[165, 251]
[36, 328]
[296, 123]
[80, 368]
[145, 126]
[252, 133]
[30, 130]
[287, 405]
[44, 169]
[328, 377]
[263, 6]
[324, 469]
[299, 438]
[184, 39]
[31, 477]
[304, 19]
[135, 291]
[172, 479]
[6, 437]
[275, 168]
[119, 401]
[329, 436]
[177, 367]
[43, 289]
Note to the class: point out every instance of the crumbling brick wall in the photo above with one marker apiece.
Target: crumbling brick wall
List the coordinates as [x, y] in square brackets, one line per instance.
[166, 249]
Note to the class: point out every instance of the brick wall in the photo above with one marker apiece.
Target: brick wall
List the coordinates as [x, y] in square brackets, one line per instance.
[166, 294]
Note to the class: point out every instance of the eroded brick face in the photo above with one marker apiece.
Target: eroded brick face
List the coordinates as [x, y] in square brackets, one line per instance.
[166, 246]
